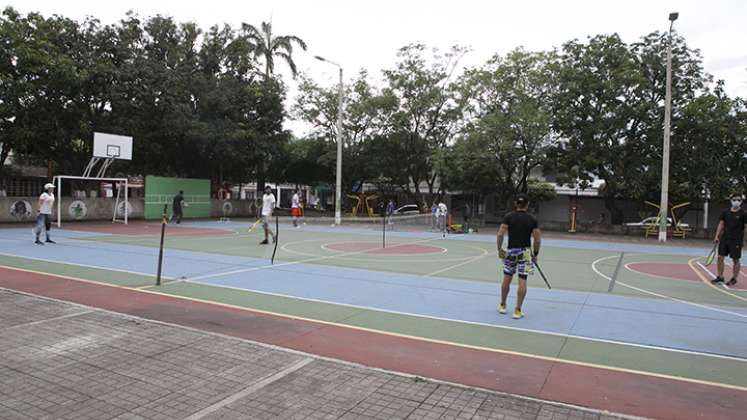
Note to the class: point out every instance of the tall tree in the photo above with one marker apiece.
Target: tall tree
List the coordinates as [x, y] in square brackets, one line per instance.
[267, 45]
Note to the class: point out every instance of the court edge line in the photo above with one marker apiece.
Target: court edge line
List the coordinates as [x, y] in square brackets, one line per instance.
[705, 280]
[406, 336]
[481, 324]
[686, 302]
[81, 265]
[308, 260]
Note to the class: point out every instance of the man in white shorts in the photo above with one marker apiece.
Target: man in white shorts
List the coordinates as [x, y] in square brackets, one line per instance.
[442, 216]
[268, 205]
[44, 214]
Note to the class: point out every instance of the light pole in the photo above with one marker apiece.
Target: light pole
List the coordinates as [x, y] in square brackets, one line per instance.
[667, 120]
[338, 180]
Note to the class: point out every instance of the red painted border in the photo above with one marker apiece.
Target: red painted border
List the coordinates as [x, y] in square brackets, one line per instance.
[603, 389]
[139, 228]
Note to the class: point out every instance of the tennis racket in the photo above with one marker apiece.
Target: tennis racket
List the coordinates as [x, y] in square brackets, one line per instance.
[712, 255]
[251, 228]
[543, 275]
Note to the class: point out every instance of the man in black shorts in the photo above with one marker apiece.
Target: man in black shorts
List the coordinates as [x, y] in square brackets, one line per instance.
[177, 207]
[733, 225]
[521, 227]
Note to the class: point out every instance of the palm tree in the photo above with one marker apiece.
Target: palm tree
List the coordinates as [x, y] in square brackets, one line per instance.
[269, 46]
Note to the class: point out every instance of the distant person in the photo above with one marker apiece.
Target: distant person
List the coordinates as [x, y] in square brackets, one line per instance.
[521, 227]
[442, 214]
[268, 206]
[295, 208]
[177, 207]
[44, 215]
[602, 218]
[390, 213]
[732, 225]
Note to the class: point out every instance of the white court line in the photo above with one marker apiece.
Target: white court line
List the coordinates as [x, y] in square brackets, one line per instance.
[326, 257]
[473, 259]
[717, 288]
[81, 265]
[648, 292]
[477, 323]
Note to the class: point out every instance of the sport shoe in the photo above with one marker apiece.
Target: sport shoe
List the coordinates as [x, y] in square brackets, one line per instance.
[38, 242]
[264, 242]
[501, 309]
[732, 282]
[49, 241]
[717, 280]
[518, 314]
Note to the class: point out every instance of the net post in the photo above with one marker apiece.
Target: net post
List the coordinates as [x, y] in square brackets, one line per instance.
[277, 232]
[127, 188]
[383, 232]
[59, 202]
[164, 220]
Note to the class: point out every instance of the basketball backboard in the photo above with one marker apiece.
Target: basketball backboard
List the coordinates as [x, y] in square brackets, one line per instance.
[112, 146]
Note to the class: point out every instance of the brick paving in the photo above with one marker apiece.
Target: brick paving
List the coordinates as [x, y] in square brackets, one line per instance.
[65, 361]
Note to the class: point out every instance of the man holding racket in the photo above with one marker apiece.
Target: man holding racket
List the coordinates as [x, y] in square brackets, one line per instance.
[295, 208]
[523, 234]
[732, 225]
[268, 205]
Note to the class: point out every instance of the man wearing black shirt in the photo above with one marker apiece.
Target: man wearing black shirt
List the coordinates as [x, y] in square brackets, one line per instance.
[177, 207]
[521, 227]
[733, 226]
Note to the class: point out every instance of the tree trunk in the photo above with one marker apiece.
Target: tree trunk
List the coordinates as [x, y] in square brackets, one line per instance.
[616, 213]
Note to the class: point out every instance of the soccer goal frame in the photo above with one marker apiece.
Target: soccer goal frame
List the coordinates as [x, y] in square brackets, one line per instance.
[58, 180]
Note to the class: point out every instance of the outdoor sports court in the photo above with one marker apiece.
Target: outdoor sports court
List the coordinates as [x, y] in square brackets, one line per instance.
[627, 327]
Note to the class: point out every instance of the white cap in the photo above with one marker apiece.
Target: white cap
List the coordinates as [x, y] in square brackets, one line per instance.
[49, 185]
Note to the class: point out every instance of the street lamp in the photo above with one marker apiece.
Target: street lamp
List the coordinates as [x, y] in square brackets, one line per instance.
[338, 183]
[667, 121]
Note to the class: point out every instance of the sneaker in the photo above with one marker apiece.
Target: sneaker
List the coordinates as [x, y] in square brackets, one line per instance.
[717, 280]
[501, 309]
[264, 242]
[38, 242]
[518, 314]
[49, 241]
[732, 282]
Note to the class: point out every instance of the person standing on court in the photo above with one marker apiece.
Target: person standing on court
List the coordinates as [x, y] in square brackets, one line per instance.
[524, 239]
[443, 214]
[390, 213]
[730, 235]
[44, 215]
[268, 205]
[177, 207]
[295, 208]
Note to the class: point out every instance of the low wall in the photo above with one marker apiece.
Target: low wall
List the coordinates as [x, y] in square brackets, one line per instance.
[23, 209]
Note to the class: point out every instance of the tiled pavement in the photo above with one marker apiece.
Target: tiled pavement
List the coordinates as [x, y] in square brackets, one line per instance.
[64, 361]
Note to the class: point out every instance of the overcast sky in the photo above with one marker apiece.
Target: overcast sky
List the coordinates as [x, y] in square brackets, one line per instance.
[366, 34]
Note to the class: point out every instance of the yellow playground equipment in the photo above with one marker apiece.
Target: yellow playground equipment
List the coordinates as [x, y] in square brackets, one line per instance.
[678, 229]
[364, 203]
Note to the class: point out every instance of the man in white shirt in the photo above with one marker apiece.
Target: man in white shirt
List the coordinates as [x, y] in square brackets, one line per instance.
[442, 215]
[268, 205]
[44, 214]
[295, 208]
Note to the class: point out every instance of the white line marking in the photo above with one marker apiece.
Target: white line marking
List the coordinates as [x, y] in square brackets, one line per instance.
[250, 389]
[81, 265]
[482, 324]
[326, 257]
[716, 287]
[473, 259]
[648, 292]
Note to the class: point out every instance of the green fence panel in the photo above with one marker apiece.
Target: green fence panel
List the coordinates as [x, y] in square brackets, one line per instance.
[161, 190]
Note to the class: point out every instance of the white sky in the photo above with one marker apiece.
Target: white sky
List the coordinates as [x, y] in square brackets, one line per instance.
[366, 34]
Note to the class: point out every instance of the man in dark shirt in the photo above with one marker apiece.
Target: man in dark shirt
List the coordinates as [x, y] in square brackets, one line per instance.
[732, 225]
[177, 207]
[521, 227]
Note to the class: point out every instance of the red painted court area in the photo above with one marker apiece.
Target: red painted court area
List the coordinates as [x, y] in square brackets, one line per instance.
[139, 228]
[679, 271]
[375, 248]
[546, 378]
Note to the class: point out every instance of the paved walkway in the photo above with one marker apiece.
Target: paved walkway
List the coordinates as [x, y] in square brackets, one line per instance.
[65, 361]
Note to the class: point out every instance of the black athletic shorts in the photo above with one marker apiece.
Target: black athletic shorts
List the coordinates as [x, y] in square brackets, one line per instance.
[731, 248]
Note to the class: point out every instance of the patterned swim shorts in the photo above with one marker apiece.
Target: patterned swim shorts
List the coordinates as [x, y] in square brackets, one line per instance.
[518, 261]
